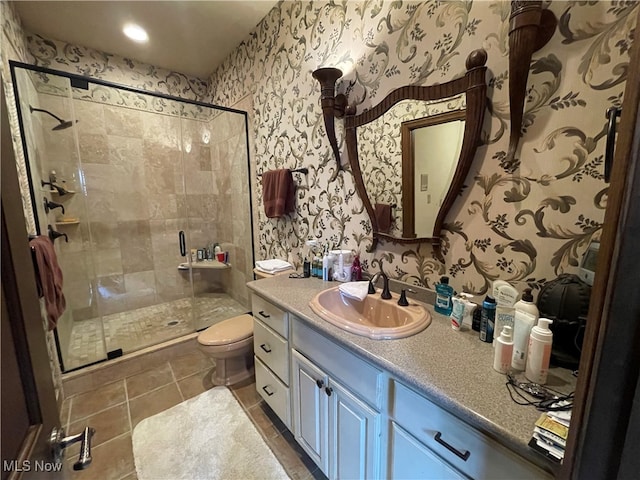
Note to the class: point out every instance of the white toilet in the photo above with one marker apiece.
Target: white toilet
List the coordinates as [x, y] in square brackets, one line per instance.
[230, 344]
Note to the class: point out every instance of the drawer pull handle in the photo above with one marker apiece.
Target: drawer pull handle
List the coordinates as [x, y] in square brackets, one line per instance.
[266, 390]
[265, 347]
[320, 383]
[328, 391]
[265, 315]
[464, 456]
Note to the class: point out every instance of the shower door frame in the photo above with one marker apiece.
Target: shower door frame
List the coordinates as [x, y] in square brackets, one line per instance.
[79, 81]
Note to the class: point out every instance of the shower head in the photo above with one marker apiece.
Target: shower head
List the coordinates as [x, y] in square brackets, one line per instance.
[63, 123]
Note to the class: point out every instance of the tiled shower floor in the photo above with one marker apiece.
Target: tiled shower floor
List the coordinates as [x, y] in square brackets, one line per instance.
[143, 327]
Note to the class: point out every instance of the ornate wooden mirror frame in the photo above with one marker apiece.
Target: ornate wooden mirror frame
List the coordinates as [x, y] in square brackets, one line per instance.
[473, 83]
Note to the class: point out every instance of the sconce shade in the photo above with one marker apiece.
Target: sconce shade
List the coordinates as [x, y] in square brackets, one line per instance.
[332, 106]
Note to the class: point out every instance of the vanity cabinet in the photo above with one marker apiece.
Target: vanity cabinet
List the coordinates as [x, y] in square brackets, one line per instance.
[334, 425]
[271, 354]
[443, 443]
[356, 420]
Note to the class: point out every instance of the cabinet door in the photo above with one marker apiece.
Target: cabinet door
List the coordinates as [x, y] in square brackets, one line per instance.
[310, 408]
[354, 436]
[411, 459]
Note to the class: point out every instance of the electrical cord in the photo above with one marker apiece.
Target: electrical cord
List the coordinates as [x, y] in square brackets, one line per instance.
[543, 398]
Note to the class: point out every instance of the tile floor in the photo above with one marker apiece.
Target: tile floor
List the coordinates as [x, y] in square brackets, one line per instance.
[135, 329]
[116, 408]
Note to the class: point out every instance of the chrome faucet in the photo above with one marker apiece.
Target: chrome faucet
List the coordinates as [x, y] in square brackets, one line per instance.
[386, 293]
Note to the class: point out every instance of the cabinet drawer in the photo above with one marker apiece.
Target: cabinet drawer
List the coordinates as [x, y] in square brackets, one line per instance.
[274, 392]
[362, 378]
[271, 315]
[272, 349]
[477, 456]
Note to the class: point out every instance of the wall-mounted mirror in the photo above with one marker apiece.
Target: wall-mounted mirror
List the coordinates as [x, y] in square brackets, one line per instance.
[411, 153]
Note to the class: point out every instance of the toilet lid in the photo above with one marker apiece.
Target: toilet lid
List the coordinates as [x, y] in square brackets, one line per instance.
[228, 331]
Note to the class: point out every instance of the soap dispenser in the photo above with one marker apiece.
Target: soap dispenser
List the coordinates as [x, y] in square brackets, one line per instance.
[504, 350]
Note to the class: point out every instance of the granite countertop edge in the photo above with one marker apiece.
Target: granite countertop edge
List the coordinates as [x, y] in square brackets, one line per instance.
[421, 384]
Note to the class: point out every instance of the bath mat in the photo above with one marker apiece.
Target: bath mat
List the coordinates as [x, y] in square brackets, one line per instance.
[205, 437]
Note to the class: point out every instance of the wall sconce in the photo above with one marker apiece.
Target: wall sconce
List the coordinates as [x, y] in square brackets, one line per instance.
[530, 28]
[333, 106]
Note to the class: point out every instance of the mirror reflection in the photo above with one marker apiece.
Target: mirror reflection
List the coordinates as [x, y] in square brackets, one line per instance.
[408, 157]
[400, 172]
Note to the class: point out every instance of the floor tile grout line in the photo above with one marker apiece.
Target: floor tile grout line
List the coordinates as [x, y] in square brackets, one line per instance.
[97, 412]
[173, 375]
[126, 396]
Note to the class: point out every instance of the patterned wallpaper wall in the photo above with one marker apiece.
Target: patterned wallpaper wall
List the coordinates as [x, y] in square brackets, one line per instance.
[524, 221]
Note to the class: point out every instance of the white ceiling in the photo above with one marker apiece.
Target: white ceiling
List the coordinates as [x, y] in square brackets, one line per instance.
[191, 37]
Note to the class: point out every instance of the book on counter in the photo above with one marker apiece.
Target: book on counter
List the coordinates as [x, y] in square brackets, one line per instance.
[550, 434]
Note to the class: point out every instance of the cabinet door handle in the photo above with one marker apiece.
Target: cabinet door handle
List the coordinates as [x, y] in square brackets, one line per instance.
[328, 391]
[463, 455]
[320, 383]
[265, 347]
[266, 390]
[265, 315]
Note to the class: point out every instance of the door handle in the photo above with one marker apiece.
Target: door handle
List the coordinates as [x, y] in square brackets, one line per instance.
[267, 391]
[328, 391]
[265, 347]
[58, 442]
[320, 383]
[463, 455]
[183, 243]
[265, 315]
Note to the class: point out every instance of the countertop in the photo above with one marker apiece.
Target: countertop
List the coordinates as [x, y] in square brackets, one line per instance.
[452, 368]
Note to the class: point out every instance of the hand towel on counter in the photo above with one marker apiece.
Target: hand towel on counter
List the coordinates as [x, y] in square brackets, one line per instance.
[383, 216]
[278, 193]
[274, 265]
[49, 278]
[355, 290]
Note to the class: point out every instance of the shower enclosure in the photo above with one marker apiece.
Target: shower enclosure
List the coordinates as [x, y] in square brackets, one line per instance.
[129, 183]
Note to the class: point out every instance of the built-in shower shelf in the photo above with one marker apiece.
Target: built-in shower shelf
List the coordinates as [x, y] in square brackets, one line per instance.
[73, 222]
[205, 265]
[55, 192]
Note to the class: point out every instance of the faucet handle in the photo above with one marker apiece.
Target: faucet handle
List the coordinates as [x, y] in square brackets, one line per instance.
[372, 289]
[402, 301]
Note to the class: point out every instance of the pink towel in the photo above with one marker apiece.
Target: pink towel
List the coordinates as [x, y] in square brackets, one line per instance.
[49, 278]
[278, 193]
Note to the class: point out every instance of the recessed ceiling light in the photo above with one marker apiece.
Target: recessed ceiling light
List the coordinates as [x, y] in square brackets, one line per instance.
[135, 33]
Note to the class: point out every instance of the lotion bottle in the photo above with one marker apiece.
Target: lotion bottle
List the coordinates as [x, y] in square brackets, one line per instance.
[504, 351]
[522, 326]
[526, 304]
[539, 352]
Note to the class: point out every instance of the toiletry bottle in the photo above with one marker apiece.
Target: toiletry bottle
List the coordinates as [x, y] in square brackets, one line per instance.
[356, 270]
[522, 326]
[487, 320]
[505, 312]
[444, 292]
[539, 352]
[526, 304]
[325, 266]
[475, 322]
[504, 351]
[457, 312]
[497, 285]
[526, 316]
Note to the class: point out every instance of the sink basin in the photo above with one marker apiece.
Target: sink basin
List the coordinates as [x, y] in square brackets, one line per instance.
[373, 317]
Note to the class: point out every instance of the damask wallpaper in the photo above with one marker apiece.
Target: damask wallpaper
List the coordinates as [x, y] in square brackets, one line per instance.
[524, 221]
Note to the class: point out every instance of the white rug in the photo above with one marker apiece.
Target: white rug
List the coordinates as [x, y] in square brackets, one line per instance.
[205, 437]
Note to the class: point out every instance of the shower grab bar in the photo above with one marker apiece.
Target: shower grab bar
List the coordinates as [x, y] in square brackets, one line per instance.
[183, 244]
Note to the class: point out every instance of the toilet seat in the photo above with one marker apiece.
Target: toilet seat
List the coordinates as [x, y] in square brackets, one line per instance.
[229, 331]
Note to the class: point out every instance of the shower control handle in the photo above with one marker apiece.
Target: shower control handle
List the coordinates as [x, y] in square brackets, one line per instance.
[49, 205]
[183, 244]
